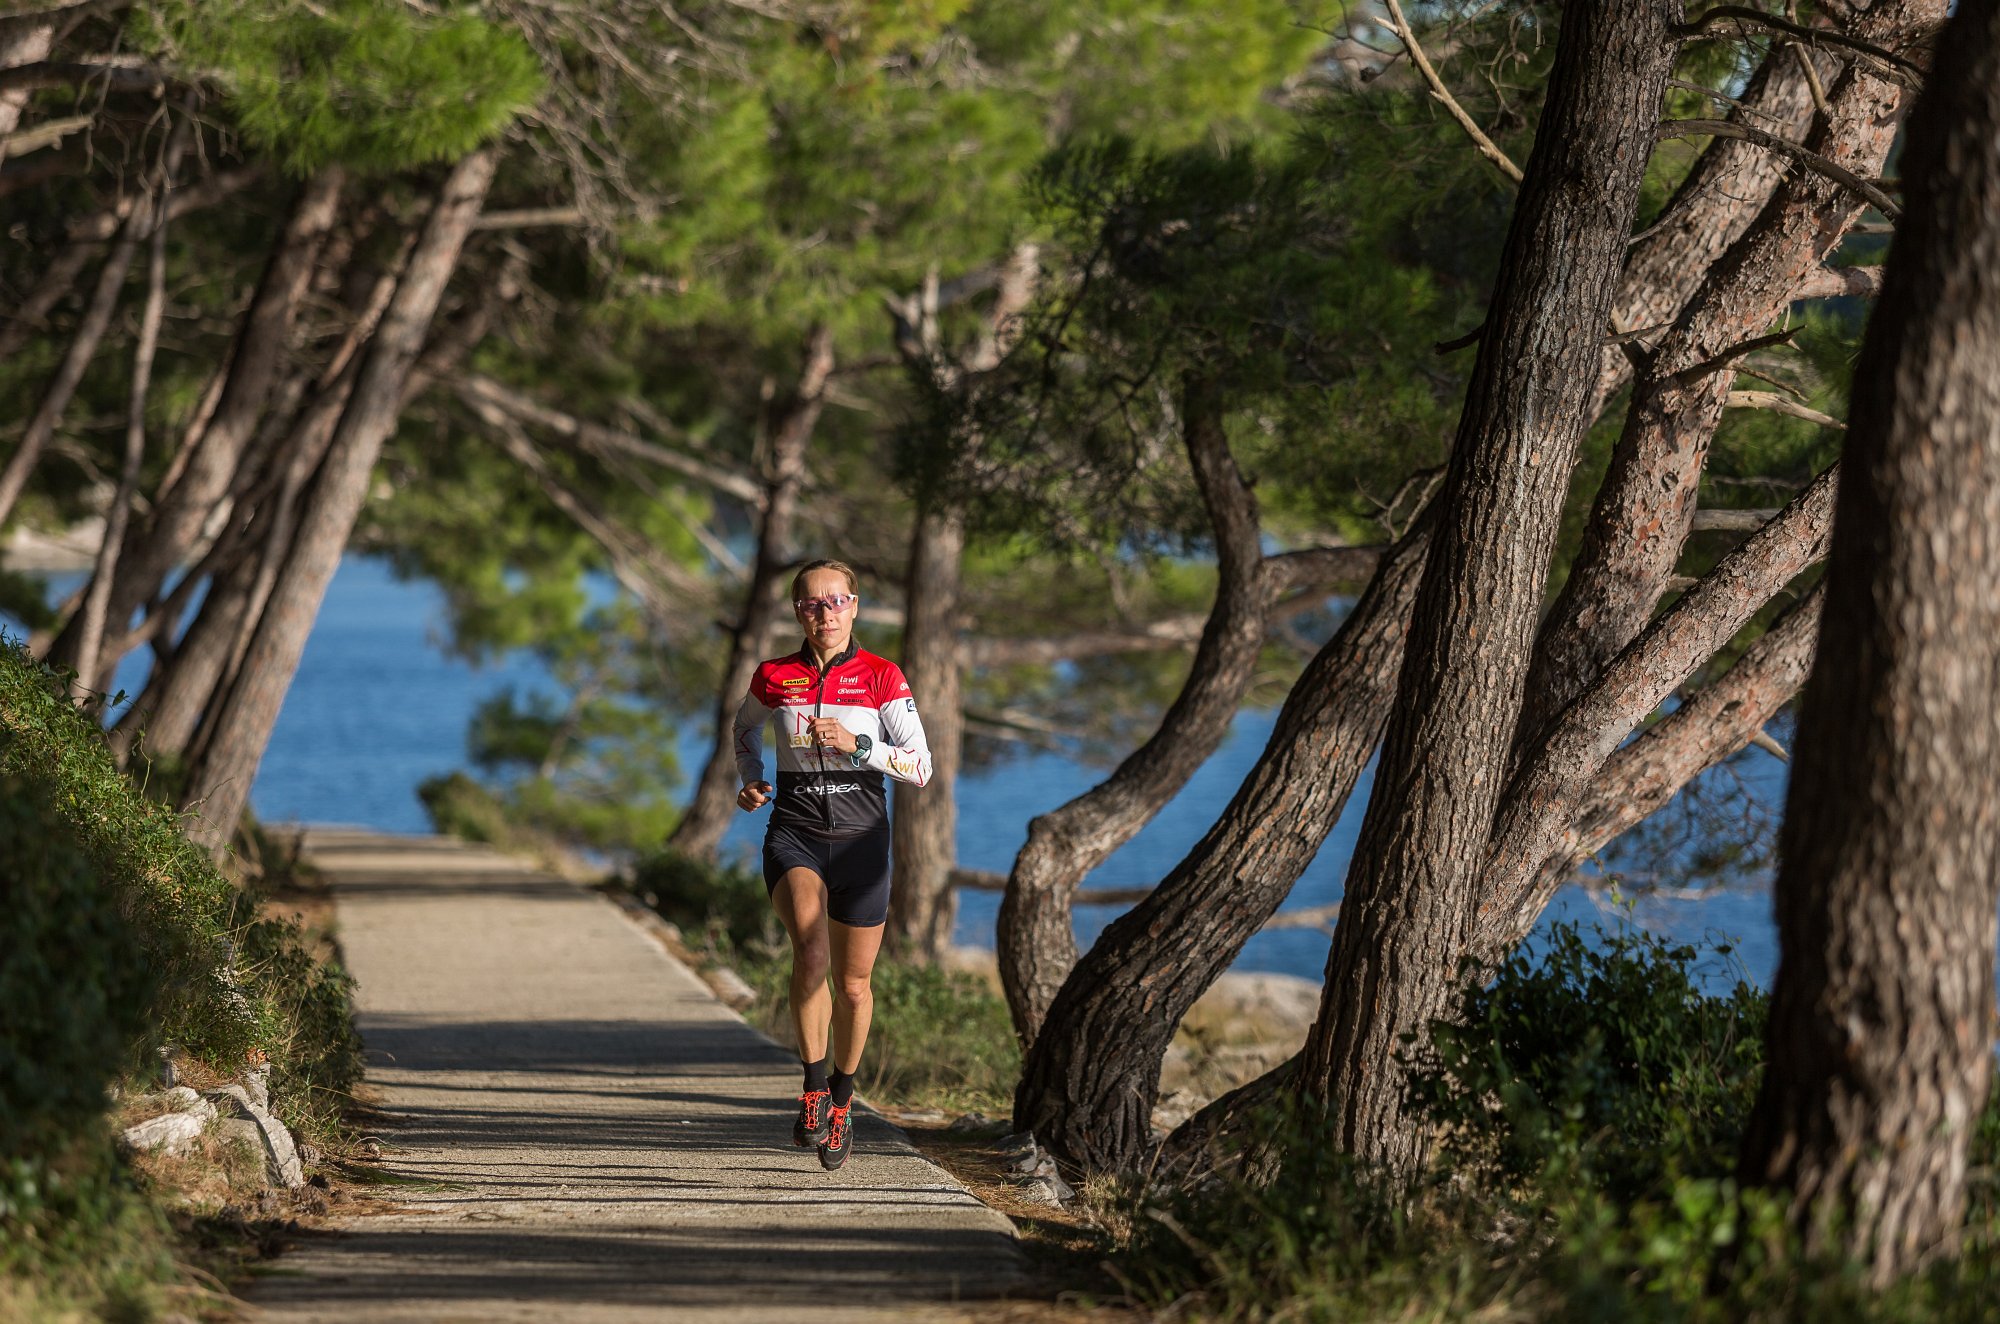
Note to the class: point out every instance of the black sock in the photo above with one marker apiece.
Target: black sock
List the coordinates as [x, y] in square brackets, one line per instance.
[815, 1075]
[842, 1085]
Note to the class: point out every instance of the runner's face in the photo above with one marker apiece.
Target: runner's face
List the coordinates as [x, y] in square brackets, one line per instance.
[828, 630]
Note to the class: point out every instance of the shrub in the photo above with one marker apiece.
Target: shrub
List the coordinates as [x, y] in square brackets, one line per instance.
[75, 984]
[221, 983]
[176, 900]
[725, 904]
[1599, 1059]
[1590, 1101]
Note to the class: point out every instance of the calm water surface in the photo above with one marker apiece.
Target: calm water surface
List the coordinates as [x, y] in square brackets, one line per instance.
[378, 706]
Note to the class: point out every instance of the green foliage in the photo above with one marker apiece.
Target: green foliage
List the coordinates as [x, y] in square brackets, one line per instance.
[353, 82]
[1599, 1058]
[217, 981]
[179, 904]
[79, 1241]
[76, 983]
[722, 905]
[1590, 1105]
[306, 1019]
[940, 1038]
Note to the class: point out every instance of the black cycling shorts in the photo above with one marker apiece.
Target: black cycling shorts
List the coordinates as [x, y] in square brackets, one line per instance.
[855, 870]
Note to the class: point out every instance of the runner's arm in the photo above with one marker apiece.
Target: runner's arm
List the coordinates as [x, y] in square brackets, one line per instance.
[750, 720]
[902, 754]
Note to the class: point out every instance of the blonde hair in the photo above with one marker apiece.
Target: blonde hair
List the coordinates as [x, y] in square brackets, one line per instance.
[846, 572]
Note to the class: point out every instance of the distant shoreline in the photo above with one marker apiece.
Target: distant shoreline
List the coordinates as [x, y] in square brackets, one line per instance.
[36, 551]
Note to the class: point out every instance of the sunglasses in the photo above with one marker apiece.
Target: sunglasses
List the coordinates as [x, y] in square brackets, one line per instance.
[836, 602]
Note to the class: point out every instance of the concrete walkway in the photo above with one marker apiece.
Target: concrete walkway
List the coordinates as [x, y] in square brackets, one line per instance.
[591, 1135]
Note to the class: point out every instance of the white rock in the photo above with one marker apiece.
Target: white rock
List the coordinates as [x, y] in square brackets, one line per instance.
[281, 1153]
[173, 1133]
[184, 1100]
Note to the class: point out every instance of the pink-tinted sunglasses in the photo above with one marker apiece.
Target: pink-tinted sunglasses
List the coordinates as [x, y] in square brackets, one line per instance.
[835, 602]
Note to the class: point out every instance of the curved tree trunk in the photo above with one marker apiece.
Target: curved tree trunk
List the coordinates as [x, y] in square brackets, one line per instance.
[1091, 1076]
[1881, 1032]
[708, 815]
[1643, 509]
[255, 362]
[219, 787]
[96, 599]
[1407, 917]
[41, 427]
[1711, 209]
[1035, 939]
[922, 904]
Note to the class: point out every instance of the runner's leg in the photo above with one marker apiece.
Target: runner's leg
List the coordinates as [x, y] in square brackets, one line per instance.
[800, 897]
[853, 951]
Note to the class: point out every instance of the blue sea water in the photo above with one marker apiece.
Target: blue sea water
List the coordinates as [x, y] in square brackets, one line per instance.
[379, 705]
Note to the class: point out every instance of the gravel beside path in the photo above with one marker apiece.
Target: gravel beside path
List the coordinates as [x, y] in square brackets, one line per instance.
[588, 1135]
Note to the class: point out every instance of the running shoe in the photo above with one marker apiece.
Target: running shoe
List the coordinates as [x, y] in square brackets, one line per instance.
[833, 1149]
[811, 1127]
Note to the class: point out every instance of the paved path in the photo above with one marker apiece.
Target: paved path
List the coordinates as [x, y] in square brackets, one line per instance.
[596, 1137]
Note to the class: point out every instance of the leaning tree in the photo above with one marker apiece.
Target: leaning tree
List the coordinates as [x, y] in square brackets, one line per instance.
[1880, 1045]
[1560, 779]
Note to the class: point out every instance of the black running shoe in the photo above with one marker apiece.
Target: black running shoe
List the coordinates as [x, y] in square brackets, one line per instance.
[811, 1127]
[839, 1135]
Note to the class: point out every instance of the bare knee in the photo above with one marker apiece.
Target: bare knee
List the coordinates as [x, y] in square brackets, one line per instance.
[810, 961]
[853, 991]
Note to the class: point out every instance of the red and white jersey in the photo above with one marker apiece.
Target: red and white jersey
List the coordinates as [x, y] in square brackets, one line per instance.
[820, 789]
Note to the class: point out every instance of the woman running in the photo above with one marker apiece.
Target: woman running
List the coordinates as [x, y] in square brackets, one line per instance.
[848, 720]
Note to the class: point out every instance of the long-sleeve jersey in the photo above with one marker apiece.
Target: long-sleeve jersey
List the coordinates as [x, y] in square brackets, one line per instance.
[820, 790]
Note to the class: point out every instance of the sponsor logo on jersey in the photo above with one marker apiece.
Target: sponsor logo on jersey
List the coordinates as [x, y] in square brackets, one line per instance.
[903, 763]
[910, 706]
[796, 682]
[829, 788]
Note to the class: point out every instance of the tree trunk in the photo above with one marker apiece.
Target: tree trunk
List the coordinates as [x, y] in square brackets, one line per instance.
[1539, 805]
[1035, 937]
[1407, 917]
[1711, 209]
[220, 784]
[255, 363]
[1641, 516]
[82, 348]
[1091, 1076]
[97, 599]
[86, 238]
[26, 44]
[1882, 1018]
[922, 904]
[708, 815]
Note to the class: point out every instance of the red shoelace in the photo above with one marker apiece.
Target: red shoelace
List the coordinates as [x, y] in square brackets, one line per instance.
[810, 1101]
[836, 1135]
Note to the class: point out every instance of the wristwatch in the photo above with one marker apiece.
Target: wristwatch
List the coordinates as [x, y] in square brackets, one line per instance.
[859, 758]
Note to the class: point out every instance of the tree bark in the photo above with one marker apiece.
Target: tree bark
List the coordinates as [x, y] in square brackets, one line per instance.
[1091, 1076]
[1541, 798]
[1035, 938]
[82, 348]
[254, 368]
[87, 238]
[1641, 515]
[24, 44]
[97, 598]
[1882, 1020]
[220, 785]
[1710, 211]
[922, 904]
[1407, 917]
[709, 813]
